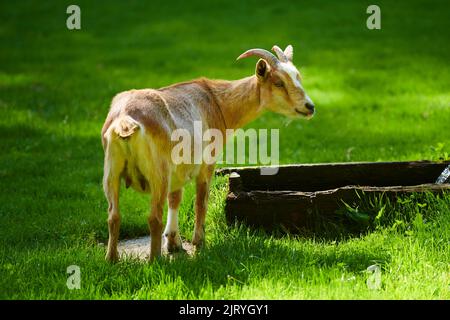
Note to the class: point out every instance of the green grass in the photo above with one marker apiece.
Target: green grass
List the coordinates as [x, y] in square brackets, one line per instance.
[380, 95]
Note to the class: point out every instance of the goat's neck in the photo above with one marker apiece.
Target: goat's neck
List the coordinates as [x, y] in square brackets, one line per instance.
[239, 100]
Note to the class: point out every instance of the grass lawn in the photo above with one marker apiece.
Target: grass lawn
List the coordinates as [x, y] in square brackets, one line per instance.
[381, 95]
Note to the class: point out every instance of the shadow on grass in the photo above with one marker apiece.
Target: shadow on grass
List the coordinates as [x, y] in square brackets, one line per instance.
[53, 183]
[241, 261]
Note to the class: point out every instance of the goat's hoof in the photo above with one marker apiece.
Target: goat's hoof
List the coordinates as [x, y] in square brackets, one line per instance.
[173, 242]
[153, 256]
[112, 257]
[198, 243]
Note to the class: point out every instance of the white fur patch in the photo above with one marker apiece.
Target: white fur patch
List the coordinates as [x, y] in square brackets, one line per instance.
[172, 221]
[292, 72]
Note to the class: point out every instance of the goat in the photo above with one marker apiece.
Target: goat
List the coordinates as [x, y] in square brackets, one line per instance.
[136, 138]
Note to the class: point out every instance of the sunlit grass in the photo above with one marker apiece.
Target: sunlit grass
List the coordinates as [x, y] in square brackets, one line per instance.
[380, 96]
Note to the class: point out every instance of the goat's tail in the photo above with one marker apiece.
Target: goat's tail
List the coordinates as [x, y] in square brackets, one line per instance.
[125, 126]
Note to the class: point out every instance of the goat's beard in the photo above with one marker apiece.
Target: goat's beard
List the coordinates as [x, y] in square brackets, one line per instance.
[287, 121]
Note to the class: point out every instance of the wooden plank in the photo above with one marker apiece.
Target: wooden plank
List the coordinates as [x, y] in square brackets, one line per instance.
[293, 210]
[266, 202]
[316, 177]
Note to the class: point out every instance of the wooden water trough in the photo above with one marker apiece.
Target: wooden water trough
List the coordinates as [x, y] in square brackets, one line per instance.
[297, 192]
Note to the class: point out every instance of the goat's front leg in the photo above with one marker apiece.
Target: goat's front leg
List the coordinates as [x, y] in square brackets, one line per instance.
[171, 233]
[201, 204]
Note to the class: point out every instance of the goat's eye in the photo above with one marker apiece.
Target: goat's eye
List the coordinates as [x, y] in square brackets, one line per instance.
[279, 84]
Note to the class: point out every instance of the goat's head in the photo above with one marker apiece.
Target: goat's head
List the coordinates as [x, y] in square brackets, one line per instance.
[280, 83]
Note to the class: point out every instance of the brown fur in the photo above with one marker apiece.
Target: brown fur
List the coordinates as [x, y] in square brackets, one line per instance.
[136, 139]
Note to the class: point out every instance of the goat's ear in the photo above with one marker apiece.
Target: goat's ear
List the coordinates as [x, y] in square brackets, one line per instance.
[289, 52]
[262, 69]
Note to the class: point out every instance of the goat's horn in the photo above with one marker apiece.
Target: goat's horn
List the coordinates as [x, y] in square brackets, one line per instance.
[280, 53]
[266, 55]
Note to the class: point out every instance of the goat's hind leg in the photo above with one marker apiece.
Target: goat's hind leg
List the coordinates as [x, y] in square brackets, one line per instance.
[159, 191]
[111, 185]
